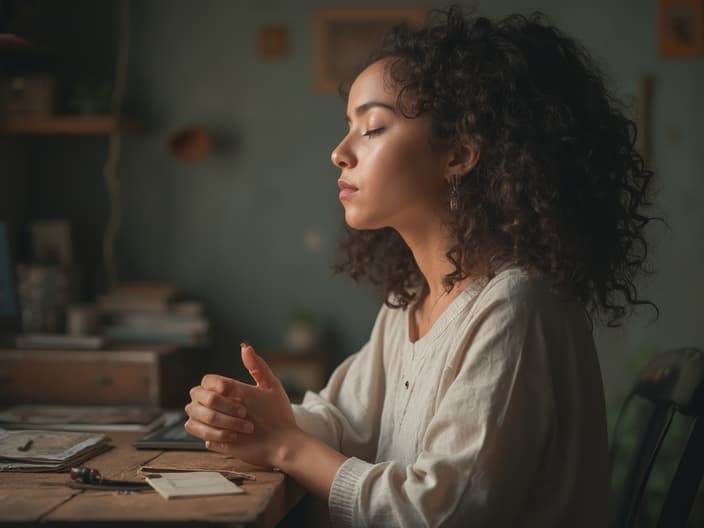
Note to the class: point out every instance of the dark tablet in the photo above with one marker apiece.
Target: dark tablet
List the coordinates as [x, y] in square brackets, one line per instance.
[172, 436]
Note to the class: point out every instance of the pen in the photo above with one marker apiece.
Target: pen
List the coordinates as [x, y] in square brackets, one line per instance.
[27, 446]
[93, 477]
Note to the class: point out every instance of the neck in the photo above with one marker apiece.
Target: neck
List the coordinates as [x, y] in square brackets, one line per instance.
[429, 245]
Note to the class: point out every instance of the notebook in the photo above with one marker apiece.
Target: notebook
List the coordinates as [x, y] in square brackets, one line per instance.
[192, 484]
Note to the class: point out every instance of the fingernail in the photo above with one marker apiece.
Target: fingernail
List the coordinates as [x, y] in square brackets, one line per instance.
[207, 444]
[242, 412]
[244, 343]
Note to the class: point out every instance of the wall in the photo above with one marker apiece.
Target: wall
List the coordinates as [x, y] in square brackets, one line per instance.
[232, 230]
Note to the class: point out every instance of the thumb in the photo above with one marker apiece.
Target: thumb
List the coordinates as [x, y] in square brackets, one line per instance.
[257, 367]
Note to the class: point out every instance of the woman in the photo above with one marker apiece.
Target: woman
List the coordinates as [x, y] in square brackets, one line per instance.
[493, 193]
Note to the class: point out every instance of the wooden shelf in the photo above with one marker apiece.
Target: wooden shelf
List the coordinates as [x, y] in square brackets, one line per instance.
[68, 124]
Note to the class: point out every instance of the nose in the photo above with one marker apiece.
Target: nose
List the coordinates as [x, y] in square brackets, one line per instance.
[342, 157]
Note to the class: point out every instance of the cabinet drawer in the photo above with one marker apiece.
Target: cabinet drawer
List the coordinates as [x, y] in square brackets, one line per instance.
[104, 377]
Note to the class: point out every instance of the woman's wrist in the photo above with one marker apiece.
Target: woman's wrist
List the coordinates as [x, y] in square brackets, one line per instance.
[310, 461]
[293, 443]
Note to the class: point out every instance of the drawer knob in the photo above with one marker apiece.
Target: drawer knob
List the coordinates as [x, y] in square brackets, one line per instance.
[103, 381]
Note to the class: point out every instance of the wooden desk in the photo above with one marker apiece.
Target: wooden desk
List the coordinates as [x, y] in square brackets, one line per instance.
[33, 498]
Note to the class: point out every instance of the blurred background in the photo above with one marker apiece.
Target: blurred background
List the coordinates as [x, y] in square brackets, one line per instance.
[221, 172]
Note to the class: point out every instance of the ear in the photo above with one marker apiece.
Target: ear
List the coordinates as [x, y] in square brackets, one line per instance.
[463, 158]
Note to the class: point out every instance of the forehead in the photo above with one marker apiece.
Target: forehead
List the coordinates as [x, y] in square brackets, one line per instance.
[373, 84]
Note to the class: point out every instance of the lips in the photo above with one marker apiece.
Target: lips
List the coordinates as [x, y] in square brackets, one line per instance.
[346, 189]
[342, 184]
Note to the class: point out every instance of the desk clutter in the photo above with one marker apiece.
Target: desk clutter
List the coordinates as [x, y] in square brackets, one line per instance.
[39, 438]
[148, 313]
[120, 497]
[40, 451]
[169, 484]
[130, 313]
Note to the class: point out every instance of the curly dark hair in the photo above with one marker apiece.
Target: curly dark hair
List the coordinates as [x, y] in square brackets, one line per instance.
[559, 187]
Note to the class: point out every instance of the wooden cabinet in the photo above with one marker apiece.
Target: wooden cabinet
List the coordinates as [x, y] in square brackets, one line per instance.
[154, 375]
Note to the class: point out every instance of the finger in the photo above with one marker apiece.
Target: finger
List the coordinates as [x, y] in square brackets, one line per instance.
[223, 385]
[219, 403]
[206, 432]
[219, 447]
[257, 367]
[235, 399]
[218, 420]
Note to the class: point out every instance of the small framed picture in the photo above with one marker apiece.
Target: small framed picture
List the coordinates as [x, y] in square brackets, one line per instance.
[681, 28]
[272, 42]
[344, 37]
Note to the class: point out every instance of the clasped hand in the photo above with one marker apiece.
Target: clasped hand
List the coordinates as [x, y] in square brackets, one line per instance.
[250, 422]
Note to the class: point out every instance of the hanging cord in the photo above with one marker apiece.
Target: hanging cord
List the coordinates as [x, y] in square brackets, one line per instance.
[112, 183]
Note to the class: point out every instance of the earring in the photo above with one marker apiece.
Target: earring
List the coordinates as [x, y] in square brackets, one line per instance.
[454, 192]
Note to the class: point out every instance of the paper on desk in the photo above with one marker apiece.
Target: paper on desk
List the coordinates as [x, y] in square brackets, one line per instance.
[227, 473]
[192, 484]
[25, 450]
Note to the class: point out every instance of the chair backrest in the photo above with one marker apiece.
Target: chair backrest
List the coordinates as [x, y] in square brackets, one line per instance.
[672, 383]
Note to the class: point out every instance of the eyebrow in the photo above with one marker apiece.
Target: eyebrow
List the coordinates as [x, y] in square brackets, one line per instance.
[365, 107]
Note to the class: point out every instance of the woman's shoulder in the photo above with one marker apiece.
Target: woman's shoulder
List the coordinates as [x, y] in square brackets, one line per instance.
[521, 287]
[515, 297]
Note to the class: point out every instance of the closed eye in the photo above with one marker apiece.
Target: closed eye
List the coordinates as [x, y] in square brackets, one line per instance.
[373, 132]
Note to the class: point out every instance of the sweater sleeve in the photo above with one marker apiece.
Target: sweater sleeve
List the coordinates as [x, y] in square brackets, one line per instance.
[346, 413]
[481, 451]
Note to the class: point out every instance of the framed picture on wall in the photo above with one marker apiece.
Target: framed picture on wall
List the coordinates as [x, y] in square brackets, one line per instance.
[681, 28]
[344, 37]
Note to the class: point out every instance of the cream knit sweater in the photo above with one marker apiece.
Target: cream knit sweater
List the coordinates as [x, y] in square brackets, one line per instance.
[494, 418]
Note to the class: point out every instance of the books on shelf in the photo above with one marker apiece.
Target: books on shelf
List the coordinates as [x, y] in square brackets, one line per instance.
[41, 450]
[86, 417]
[147, 313]
[60, 342]
[135, 296]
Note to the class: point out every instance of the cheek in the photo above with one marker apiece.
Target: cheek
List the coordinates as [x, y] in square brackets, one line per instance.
[408, 167]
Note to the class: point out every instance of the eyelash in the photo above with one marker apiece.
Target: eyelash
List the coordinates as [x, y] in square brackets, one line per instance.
[373, 132]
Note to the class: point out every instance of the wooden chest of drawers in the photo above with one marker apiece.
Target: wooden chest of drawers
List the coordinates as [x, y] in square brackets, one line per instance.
[151, 375]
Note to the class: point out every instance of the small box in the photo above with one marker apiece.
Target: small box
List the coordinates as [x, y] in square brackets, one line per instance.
[30, 96]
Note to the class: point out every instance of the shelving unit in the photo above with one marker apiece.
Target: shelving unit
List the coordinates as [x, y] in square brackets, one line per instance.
[65, 124]
[12, 45]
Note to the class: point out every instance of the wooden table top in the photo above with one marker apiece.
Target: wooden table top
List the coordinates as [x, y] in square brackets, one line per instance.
[43, 497]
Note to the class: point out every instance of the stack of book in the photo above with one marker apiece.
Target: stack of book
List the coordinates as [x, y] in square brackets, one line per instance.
[147, 313]
[39, 451]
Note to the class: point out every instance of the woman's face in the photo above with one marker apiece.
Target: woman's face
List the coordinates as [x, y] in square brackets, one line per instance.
[391, 177]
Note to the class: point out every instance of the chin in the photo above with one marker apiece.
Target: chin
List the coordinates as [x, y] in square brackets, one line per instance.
[355, 222]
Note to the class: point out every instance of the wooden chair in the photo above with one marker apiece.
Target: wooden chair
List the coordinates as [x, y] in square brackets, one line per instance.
[672, 383]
